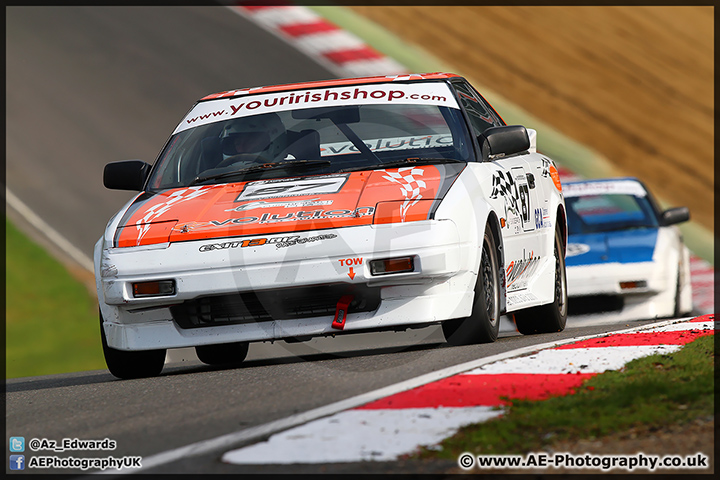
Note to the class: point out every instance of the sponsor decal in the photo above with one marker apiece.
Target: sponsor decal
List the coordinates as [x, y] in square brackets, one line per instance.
[254, 242]
[279, 242]
[574, 249]
[431, 93]
[268, 218]
[617, 187]
[521, 270]
[300, 241]
[262, 204]
[296, 187]
[517, 298]
[299, 216]
[388, 144]
[542, 219]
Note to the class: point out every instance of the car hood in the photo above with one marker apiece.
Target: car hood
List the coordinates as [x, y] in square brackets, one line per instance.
[623, 246]
[284, 205]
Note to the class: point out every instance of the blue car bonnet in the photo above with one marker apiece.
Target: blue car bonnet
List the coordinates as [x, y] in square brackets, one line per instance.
[622, 246]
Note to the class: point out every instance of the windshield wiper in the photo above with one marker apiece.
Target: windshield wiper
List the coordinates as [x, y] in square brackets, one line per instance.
[257, 168]
[403, 162]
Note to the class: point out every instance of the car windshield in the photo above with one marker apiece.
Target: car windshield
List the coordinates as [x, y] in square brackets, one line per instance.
[608, 212]
[310, 141]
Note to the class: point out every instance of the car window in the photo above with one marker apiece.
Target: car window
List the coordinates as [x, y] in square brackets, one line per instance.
[326, 139]
[603, 213]
[480, 116]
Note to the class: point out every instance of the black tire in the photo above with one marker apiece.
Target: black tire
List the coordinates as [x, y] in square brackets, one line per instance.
[127, 365]
[223, 354]
[553, 316]
[483, 324]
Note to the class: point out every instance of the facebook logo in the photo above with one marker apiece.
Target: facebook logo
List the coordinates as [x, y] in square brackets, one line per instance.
[17, 444]
[17, 462]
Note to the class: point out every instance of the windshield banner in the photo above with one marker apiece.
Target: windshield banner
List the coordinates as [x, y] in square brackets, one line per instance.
[620, 187]
[431, 93]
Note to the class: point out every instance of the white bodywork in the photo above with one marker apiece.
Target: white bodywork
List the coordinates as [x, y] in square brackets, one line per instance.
[519, 196]
[446, 250]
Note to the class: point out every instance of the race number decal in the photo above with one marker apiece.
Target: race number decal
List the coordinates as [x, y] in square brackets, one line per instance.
[523, 193]
[295, 187]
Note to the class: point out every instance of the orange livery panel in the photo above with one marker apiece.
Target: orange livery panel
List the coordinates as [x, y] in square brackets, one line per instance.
[285, 205]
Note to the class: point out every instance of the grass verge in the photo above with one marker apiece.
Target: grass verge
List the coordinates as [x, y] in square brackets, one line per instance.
[51, 319]
[657, 391]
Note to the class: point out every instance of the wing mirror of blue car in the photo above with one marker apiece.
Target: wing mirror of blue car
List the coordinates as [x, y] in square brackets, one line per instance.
[675, 215]
[498, 142]
[126, 175]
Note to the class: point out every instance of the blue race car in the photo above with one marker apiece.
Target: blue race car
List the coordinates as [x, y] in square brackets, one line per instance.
[625, 258]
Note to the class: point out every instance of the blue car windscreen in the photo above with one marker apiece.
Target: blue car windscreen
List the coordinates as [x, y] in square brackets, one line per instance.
[609, 212]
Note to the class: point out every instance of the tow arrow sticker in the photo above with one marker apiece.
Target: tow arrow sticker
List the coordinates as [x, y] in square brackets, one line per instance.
[349, 262]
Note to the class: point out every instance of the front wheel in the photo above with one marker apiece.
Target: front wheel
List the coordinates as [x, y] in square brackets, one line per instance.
[127, 365]
[483, 324]
[553, 316]
[223, 354]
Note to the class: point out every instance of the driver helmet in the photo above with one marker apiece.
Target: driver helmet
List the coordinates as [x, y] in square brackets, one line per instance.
[263, 135]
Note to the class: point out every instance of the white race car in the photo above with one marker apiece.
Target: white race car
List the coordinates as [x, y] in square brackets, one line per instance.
[626, 259]
[313, 209]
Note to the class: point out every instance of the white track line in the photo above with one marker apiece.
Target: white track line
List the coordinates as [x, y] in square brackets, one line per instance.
[61, 242]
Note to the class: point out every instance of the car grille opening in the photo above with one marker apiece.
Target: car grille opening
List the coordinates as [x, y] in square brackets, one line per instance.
[595, 304]
[267, 305]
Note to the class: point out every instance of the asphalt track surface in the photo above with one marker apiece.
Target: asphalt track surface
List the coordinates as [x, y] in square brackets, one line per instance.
[91, 85]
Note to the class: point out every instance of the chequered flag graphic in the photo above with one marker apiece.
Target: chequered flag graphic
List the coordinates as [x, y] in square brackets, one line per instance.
[504, 186]
[409, 185]
[143, 225]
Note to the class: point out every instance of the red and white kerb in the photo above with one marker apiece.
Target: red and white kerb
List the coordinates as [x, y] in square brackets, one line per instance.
[337, 50]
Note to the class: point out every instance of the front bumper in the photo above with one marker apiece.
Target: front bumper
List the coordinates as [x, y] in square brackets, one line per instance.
[596, 290]
[440, 287]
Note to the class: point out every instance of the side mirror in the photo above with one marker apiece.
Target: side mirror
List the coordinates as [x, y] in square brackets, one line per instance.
[675, 215]
[496, 142]
[126, 175]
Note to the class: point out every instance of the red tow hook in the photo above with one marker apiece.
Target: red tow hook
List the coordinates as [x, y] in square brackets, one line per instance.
[341, 311]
